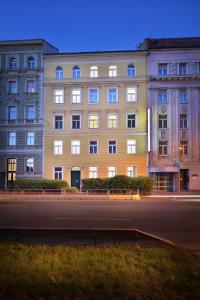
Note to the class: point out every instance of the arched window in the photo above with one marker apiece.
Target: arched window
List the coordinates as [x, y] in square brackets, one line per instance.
[131, 70]
[31, 62]
[94, 71]
[12, 63]
[112, 71]
[59, 73]
[76, 73]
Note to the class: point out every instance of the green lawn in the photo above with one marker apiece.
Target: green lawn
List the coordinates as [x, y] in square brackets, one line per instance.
[115, 272]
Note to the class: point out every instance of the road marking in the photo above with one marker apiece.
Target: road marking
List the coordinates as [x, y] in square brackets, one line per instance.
[186, 200]
[95, 219]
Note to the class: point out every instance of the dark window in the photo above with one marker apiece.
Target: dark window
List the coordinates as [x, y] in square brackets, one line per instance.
[183, 121]
[112, 147]
[163, 149]
[58, 173]
[58, 122]
[31, 62]
[13, 63]
[93, 147]
[131, 121]
[162, 122]
[76, 122]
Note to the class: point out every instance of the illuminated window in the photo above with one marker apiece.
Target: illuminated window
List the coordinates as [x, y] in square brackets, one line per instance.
[131, 94]
[163, 69]
[93, 95]
[163, 148]
[112, 95]
[131, 70]
[12, 87]
[183, 147]
[29, 165]
[12, 139]
[59, 96]
[11, 169]
[58, 147]
[58, 122]
[59, 73]
[131, 171]
[93, 172]
[183, 96]
[94, 71]
[31, 62]
[112, 147]
[130, 120]
[111, 171]
[76, 73]
[112, 120]
[93, 121]
[76, 121]
[76, 96]
[31, 86]
[162, 96]
[131, 146]
[162, 121]
[12, 63]
[112, 71]
[58, 173]
[75, 147]
[182, 69]
[93, 147]
[30, 138]
[183, 121]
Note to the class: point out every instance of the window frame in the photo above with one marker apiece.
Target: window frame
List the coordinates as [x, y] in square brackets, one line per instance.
[54, 121]
[127, 94]
[26, 164]
[58, 147]
[76, 71]
[112, 171]
[97, 146]
[112, 71]
[80, 95]
[165, 101]
[27, 138]
[93, 88]
[31, 62]
[163, 145]
[10, 139]
[133, 146]
[62, 173]
[134, 171]
[129, 113]
[94, 71]
[108, 89]
[80, 120]
[112, 153]
[161, 74]
[131, 66]
[112, 113]
[79, 147]
[93, 114]
[90, 171]
[59, 73]
[59, 96]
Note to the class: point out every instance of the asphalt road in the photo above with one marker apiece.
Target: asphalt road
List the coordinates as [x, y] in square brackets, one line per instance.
[175, 220]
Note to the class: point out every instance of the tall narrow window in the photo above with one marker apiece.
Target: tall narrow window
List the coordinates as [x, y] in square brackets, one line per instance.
[59, 73]
[182, 69]
[183, 121]
[112, 95]
[163, 148]
[162, 121]
[76, 73]
[94, 71]
[31, 86]
[93, 121]
[93, 172]
[58, 122]
[11, 169]
[163, 69]
[112, 147]
[131, 171]
[12, 63]
[12, 139]
[58, 173]
[12, 87]
[76, 121]
[30, 138]
[111, 171]
[112, 71]
[131, 121]
[131, 146]
[75, 147]
[93, 95]
[76, 96]
[12, 113]
[112, 120]
[183, 96]
[162, 96]
[131, 94]
[58, 147]
[131, 70]
[183, 147]
[30, 113]
[30, 165]
[59, 96]
[31, 62]
[93, 147]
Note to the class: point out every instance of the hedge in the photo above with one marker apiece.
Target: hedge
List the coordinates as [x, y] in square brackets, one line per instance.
[44, 184]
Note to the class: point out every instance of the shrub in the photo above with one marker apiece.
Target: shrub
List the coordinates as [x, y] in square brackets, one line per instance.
[72, 189]
[93, 183]
[142, 183]
[40, 184]
[120, 182]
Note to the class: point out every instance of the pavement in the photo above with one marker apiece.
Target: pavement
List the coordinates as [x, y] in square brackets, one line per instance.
[176, 219]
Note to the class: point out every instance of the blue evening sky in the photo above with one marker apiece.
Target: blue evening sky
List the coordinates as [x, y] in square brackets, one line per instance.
[90, 25]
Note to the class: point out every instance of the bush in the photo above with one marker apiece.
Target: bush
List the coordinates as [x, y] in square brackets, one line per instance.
[93, 183]
[142, 183]
[72, 189]
[120, 182]
[44, 184]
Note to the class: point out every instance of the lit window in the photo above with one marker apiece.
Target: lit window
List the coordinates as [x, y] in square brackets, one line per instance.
[163, 147]
[31, 62]
[183, 147]
[93, 121]
[76, 121]
[12, 113]
[112, 147]
[112, 71]
[12, 139]
[31, 86]
[131, 70]
[94, 95]
[131, 171]
[59, 73]
[162, 69]
[58, 96]
[94, 71]
[131, 146]
[183, 121]
[11, 169]
[182, 69]
[162, 96]
[93, 147]
[112, 95]
[58, 173]
[131, 94]
[75, 147]
[93, 172]
[111, 171]
[12, 63]
[76, 96]
[30, 113]
[12, 87]
[58, 122]
[30, 165]
[183, 96]
[162, 121]
[112, 120]
[131, 121]
[30, 138]
[76, 73]
[58, 147]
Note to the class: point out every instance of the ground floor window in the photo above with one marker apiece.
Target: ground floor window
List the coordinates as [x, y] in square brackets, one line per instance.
[111, 171]
[11, 169]
[164, 181]
[30, 165]
[58, 173]
[131, 171]
[93, 172]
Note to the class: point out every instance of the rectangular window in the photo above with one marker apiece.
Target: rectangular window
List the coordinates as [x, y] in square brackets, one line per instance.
[76, 96]
[58, 122]
[112, 120]
[30, 138]
[111, 171]
[112, 147]
[163, 147]
[31, 86]
[59, 96]
[131, 171]
[112, 71]
[162, 121]
[94, 71]
[131, 94]
[75, 147]
[93, 172]
[183, 147]
[94, 95]
[131, 146]
[112, 95]
[76, 121]
[130, 120]
[58, 173]
[58, 147]
[30, 113]
[12, 113]
[12, 87]
[162, 96]
[12, 139]
[183, 96]
[183, 121]
[182, 69]
[162, 69]
[93, 121]
[29, 165]
[93, 147]
[11, 169]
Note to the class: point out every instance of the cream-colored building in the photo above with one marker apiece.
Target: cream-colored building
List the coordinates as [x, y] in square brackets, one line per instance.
[95, 115]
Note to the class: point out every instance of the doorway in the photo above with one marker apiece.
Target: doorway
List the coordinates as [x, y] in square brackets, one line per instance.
[184, 179]
[76, 177]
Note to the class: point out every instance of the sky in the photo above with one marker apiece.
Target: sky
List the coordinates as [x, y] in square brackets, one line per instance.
[86, 25]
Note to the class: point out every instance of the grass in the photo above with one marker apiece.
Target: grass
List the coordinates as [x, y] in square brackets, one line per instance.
[115, 272]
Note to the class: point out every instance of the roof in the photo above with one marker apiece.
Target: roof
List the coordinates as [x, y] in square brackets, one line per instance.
[26, 42]
[169, 43]
[94, 52]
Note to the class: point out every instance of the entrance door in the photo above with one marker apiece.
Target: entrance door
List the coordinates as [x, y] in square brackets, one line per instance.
[184, 179]
[76, 178]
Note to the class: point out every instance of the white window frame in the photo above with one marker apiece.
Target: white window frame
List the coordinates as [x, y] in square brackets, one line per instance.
[131, 113]
[133, 172]
[58, 149]
[59, 74]
[93, 114]
[26, 159]
[12, 140]
[75, 72]
[131, 146]
[62, 172]
[97, 147]
[93, 172]
[78, 114]
[75, 97]
[27, 138]
[58, 99]
[110, 172]
[28, 120]
[115, 146]
[92, 88]
[74, 148]
[110, 88]
[167, 65]
[94, 72]
[130, 67]
[133, 95]
[54, 121]
[112, 71]
[108, 114]
[186, 73]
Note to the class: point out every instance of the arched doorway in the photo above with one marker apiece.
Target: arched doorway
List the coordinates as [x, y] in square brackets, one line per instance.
[76, 177]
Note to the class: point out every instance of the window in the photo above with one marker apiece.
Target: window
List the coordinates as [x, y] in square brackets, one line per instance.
[58, 147]
[12, 63]
[198, 68]
[112, 120]
[76, 121]
[76, 96]
[162, 96]
[93, 95]
[12, 87]
[162, 69]
[112, 147]
[93, 121]
[111, 171]
[184, 135]
[93, 172]
[75, 147]
[131, 146]
[30, 138]
[162, 121]
[59, 73]
[131, 70]
[182, 69]
[11, 169]
[58, 96]
[183, 96]
[131, 171]
[183, 147]
[131, 94]
[93, 147]
[76, 73]
[29, 165]
[94, 71]
[163, 147]
[58, 173]
[31, 62]
[183, 121]
[130, 120]
[112, 95]
[58, 122]
[12, 139]
[30, 113]
[12, 113]
[112, 71]
[31, 86]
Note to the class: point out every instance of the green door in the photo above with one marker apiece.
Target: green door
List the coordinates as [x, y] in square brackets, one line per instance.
[76, 178]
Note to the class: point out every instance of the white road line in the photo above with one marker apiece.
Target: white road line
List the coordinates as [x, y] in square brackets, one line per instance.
[92, 219]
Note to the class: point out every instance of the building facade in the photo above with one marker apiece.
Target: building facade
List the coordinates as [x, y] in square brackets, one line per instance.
[21, 109]
[95, 115]
[174, 111]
